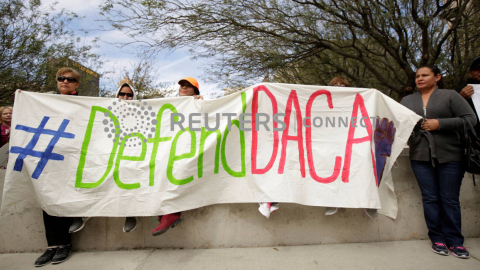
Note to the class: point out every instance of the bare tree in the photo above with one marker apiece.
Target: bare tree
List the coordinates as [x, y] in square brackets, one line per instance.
[144, 78]
[372, 42]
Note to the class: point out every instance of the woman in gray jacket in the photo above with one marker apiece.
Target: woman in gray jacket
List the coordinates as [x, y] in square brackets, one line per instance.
[436, 158]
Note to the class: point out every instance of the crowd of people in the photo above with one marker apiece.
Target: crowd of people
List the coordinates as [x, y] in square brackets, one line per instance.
[436, 155]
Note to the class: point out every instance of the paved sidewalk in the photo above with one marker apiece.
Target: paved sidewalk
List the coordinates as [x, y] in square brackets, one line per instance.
[385, 255]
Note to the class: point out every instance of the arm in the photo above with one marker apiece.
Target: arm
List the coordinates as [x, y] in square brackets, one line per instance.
[460, 109]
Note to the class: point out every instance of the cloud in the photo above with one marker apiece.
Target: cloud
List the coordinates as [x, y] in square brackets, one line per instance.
[170, 66]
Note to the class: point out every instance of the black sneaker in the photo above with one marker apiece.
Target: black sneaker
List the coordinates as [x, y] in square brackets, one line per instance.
[440, 248]
[62, 254]
[460, 252]
[46, 257]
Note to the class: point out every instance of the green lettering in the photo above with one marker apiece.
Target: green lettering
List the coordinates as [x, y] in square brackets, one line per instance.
[242, 144]
[203, 136]
[86, 142]
[157, 139]
[121, 157]
[173, 157]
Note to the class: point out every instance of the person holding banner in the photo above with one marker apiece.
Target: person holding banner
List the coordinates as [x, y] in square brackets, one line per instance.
[466, 90]
[338, 82]
[57, 228]
[5, 123]
[125, 91]
[188, 87]
[436, 158]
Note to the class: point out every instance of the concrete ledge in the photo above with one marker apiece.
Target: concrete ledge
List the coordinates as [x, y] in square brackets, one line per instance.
[240, 225]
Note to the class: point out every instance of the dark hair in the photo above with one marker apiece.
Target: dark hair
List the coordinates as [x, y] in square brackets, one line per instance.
[433, 68]
[436, 71]
[475, 62]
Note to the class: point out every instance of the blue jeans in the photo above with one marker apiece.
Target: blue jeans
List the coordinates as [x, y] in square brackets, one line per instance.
[440, 186]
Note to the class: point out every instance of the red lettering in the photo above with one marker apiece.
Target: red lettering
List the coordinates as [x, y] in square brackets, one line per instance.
[351, 140]
[256, 170]
[311, 165]
[299, 137]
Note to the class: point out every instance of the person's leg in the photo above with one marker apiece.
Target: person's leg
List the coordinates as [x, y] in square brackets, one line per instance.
[427, 178]
[64, 239]
[450, 179]
[56, 232]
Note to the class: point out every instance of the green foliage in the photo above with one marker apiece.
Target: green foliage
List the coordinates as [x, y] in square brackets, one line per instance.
[31, 39]
[374, 43]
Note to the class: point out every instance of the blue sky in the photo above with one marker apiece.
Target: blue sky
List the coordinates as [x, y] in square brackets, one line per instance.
[171, 66]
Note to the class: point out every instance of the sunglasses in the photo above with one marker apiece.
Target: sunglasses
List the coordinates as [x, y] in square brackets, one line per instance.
[69, 79]
[123, 94]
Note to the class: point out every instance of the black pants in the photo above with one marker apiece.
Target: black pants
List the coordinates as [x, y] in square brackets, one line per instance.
[56, 230]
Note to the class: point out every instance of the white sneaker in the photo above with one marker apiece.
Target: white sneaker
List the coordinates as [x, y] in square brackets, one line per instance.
[330, 211]
[265, 209]
[274, 207]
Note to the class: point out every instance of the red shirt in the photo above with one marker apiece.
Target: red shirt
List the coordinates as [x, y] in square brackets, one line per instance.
[4, 135]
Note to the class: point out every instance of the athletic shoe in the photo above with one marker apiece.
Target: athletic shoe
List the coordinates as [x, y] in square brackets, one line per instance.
[440, 248]
[274, 207]
[78, 224]
[460, 252]
[265, 209]
[167, 222]
[130, 224]
[330, 211]
[46, 257]
[371, 213]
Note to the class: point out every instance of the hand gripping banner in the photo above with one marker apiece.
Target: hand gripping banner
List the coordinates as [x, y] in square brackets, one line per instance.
[311, 145]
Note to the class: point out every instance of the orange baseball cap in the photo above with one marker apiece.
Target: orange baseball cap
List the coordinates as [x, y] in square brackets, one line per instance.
[193, 82]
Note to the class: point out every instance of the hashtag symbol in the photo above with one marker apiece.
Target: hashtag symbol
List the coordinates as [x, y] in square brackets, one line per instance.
[44, 156]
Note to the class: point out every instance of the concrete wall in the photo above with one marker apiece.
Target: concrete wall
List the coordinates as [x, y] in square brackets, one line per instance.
[241, 225]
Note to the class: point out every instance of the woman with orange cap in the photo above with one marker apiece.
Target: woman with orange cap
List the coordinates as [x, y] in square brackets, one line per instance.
[188, 87]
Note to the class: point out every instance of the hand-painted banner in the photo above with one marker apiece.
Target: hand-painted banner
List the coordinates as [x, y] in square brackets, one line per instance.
[312, 145]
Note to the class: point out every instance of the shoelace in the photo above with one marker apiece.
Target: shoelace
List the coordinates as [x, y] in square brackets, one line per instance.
[440, 244]
[458, 248]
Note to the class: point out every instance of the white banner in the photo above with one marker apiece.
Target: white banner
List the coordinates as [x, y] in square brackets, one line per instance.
[312, 145]
[476, 96]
